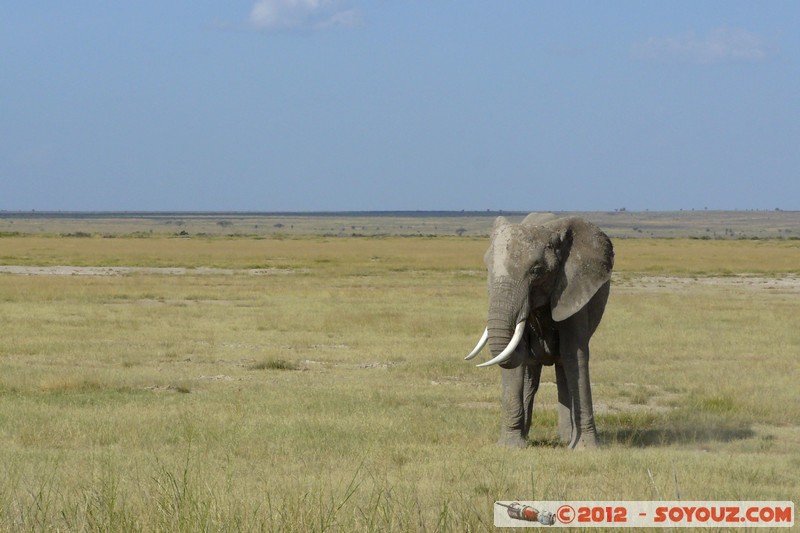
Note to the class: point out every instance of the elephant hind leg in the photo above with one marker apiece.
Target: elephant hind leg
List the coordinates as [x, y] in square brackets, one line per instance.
[566, 424]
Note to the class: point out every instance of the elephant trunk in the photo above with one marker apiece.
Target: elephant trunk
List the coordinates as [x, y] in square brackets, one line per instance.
[500, 332]
[508, 306]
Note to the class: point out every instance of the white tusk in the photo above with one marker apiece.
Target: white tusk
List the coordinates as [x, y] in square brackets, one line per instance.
[505, 354]
[479, 346]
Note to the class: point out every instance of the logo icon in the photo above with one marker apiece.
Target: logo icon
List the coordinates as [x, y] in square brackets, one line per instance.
[517, 511]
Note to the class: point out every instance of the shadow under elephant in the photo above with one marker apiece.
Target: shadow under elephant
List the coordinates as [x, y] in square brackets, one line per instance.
[661, 434]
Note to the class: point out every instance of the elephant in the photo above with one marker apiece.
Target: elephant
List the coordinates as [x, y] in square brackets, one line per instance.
[548, 281]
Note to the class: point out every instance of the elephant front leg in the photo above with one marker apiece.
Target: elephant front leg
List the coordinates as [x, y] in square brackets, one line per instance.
[520, 384]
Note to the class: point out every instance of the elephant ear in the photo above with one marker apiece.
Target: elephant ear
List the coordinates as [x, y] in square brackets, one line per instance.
[538, 219]
[586, 258]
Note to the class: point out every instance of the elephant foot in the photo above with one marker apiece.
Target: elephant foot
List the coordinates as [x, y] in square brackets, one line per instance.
[586, 442]
[565, 431]
[513, 441]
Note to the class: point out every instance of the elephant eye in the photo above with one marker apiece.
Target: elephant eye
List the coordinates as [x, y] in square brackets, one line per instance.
[536, 268]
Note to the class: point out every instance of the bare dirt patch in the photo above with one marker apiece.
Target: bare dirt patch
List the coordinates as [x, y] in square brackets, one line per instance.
[789, 283]
[124, 271]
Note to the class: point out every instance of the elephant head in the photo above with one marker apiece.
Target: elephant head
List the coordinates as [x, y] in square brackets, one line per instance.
[548, 285]
[544, 261]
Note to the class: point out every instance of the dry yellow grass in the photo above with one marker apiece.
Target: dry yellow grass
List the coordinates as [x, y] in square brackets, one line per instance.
[693, 256]
[671, 256]
[150, 401]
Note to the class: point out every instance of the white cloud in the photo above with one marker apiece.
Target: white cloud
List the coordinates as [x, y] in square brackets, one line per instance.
[302, 14]
[722, 45]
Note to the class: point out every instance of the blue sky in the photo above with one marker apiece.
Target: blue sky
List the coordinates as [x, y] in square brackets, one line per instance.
[297, 105]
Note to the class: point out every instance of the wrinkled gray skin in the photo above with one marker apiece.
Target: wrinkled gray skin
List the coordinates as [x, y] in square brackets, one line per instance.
[554, 274]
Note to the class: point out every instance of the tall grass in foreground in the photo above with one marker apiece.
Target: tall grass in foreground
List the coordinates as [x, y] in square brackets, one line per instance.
[334, 397]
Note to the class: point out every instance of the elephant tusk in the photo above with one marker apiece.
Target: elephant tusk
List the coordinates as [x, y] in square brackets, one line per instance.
[479, 346]
[505, 354]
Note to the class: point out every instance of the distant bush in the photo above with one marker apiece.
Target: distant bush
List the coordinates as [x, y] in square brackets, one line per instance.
[273, 364]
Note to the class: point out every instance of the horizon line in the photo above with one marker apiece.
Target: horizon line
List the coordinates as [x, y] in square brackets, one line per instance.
[33, 213]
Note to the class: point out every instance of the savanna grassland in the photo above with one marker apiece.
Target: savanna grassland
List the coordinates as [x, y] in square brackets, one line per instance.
[318, 384]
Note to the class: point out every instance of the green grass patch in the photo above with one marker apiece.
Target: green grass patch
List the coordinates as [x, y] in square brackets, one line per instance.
[274, 364]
